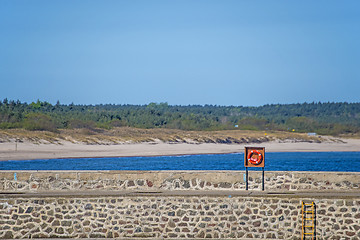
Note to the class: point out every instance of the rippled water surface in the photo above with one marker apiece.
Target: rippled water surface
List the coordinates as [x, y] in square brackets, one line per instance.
[294, 161]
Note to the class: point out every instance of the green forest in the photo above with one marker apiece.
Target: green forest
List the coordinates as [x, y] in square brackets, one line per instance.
[322, 118]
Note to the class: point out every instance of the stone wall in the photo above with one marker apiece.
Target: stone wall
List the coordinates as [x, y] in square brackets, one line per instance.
[176, 204]
[175, 180]
[174, 217]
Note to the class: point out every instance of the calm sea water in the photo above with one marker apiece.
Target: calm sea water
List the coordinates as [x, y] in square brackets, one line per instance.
[294, 161]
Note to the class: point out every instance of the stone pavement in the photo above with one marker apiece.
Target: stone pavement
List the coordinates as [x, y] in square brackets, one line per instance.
[228, 193]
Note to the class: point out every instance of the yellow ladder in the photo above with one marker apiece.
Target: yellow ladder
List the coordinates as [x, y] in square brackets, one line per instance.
[308, 220]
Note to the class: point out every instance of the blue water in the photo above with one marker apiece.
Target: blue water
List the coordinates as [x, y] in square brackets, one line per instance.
[294, 161]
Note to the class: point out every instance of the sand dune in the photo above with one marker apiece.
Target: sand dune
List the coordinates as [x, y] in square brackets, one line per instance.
[28, 150]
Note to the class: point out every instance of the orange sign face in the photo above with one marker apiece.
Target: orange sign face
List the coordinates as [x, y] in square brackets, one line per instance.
[254, 157]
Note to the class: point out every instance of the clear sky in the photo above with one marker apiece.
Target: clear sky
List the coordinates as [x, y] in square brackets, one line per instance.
[182, 52]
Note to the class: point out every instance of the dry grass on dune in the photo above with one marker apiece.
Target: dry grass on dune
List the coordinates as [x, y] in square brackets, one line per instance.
[134, 135]
[351, 135]
[31, 136]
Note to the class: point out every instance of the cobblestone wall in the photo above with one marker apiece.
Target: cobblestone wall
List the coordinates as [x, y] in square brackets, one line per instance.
[174, 217]
[175, 180]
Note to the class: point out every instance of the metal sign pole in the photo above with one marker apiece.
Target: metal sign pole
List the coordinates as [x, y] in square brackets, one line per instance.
[263, 179]
[247, 179]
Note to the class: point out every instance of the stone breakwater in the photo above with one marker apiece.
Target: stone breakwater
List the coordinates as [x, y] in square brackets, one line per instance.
[175, 180]
[174, 217]
[176, 204]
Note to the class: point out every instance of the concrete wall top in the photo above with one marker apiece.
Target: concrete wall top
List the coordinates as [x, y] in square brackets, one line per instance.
[176, 180]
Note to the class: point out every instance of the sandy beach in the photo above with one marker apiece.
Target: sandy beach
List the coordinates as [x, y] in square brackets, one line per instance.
[28, 150]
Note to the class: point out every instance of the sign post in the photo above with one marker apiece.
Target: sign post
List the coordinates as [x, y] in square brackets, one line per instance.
[247, 177]
[254, 157]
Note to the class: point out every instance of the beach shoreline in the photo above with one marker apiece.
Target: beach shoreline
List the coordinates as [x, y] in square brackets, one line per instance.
[31, 151]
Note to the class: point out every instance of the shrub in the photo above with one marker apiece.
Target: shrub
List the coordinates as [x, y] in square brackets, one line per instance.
[40, 122]
[77, 123]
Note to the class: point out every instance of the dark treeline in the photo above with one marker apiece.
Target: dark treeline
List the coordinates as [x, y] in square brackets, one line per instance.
[322, 118]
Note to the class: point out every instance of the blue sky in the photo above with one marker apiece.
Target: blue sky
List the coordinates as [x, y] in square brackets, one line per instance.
[247, 53]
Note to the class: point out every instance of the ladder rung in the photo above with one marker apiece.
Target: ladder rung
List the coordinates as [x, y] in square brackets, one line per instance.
[309, 226]
[308, 219]
[309, 233]
[308, 211]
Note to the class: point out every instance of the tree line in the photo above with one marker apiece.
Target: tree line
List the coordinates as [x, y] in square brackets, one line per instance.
[323, 118]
